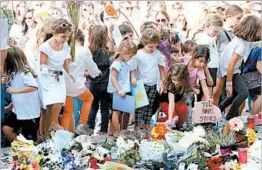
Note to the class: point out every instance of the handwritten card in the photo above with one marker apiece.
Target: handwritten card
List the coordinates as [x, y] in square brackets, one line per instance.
[139, 93]
[4, 34]
[125, 104]
[206, 112]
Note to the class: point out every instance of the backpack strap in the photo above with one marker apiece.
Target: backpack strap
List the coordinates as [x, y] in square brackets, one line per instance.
[228, 37]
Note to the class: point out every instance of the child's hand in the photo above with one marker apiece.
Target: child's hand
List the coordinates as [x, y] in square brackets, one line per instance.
[133, 81]
[197, 91]
[210, 81]
[9, 108]
[121, 93]
[161, 87]
[72, 77]
[4, 80]
[11, 90]
[229, 90]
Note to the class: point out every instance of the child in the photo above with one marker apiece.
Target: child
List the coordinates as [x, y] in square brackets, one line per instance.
[175, 85]
[126, 31]
[98, 39]
[53, 59]
[233, 15]
[25, 98]
[78, 89]
[212, 26]
[174, 57]
[188, 48]
[249, 29]
[195, 66]
[119, 78]
[147, 65]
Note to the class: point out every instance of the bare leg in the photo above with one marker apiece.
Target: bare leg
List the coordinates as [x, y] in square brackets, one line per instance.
[48, 120]
[8, 132]
[115, 122]
[257, 105]
[56, 108]
[218, 90]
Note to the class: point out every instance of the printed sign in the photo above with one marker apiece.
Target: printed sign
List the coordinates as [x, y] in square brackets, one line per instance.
[206, 112]
[139, 93]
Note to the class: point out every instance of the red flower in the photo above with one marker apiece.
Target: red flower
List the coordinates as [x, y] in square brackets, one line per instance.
[214, 163]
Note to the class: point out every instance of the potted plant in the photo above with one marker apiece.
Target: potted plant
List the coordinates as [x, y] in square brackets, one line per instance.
[222, 138]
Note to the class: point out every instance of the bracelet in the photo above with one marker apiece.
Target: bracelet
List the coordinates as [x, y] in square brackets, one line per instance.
[229, 83]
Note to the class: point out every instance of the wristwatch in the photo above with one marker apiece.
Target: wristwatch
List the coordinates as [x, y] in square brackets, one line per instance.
[229, 83]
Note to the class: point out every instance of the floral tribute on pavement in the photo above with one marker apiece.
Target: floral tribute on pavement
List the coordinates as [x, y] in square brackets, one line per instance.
[225, 145]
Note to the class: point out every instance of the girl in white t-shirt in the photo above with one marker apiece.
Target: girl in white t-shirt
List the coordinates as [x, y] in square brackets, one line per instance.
[147, 65]
[54, 54]
[248, 30]
[213, 24]
[119, 78]
[25, 99]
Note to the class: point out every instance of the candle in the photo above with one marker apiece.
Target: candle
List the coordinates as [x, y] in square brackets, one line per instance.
[242, 155]
[251, 122]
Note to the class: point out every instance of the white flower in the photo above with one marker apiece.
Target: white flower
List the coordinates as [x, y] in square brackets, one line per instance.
[199, 131]
[236, 124]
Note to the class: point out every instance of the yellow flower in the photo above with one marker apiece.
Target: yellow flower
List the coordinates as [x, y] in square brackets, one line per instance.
[139, 97]
[237, 166]
[154, 133]
[252, 137]
[37, 159]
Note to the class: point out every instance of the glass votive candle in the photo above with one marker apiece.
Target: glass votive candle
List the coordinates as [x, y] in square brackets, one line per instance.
[242, 155]
[251, 122]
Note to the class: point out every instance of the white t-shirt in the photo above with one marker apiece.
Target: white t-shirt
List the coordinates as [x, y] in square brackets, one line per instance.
[84, 61]
[204, 39]
[238, 46]
[26, 105]
[146, 66]
[123, 77]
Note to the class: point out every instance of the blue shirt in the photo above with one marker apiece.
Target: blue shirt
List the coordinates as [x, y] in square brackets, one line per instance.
[123, 77]
[254, 56]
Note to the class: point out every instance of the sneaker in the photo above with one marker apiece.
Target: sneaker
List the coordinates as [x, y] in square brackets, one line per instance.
[90, 131]
[102, 133]
[82, 129]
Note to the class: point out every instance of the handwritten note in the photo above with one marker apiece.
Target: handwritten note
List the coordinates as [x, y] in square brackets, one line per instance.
[205, 112]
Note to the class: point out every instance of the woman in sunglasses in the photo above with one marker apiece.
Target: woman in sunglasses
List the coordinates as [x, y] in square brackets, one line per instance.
[29, 28]
[16, 28]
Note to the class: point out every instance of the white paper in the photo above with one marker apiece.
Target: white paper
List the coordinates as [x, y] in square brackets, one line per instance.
[4, 34]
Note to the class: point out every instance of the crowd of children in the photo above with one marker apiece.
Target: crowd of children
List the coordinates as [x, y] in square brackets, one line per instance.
[173, 60]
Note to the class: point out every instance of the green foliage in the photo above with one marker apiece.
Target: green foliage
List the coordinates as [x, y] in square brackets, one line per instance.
[74, 11]
[6, 13]
[196, 158]
[130, 157]
[221, 138]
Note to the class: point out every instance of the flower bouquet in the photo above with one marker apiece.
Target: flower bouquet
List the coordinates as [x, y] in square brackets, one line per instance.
[151, 150]
[73, 11]
[223, 138]
[159, 131]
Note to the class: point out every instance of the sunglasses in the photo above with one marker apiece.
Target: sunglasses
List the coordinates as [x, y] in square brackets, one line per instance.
[129, 8]
[161, 20]
[29, 18]
[64, 25]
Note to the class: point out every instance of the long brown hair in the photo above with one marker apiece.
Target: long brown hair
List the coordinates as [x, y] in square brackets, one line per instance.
[181, 71]
[98, 37]
[15, 62]
[248, 28]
